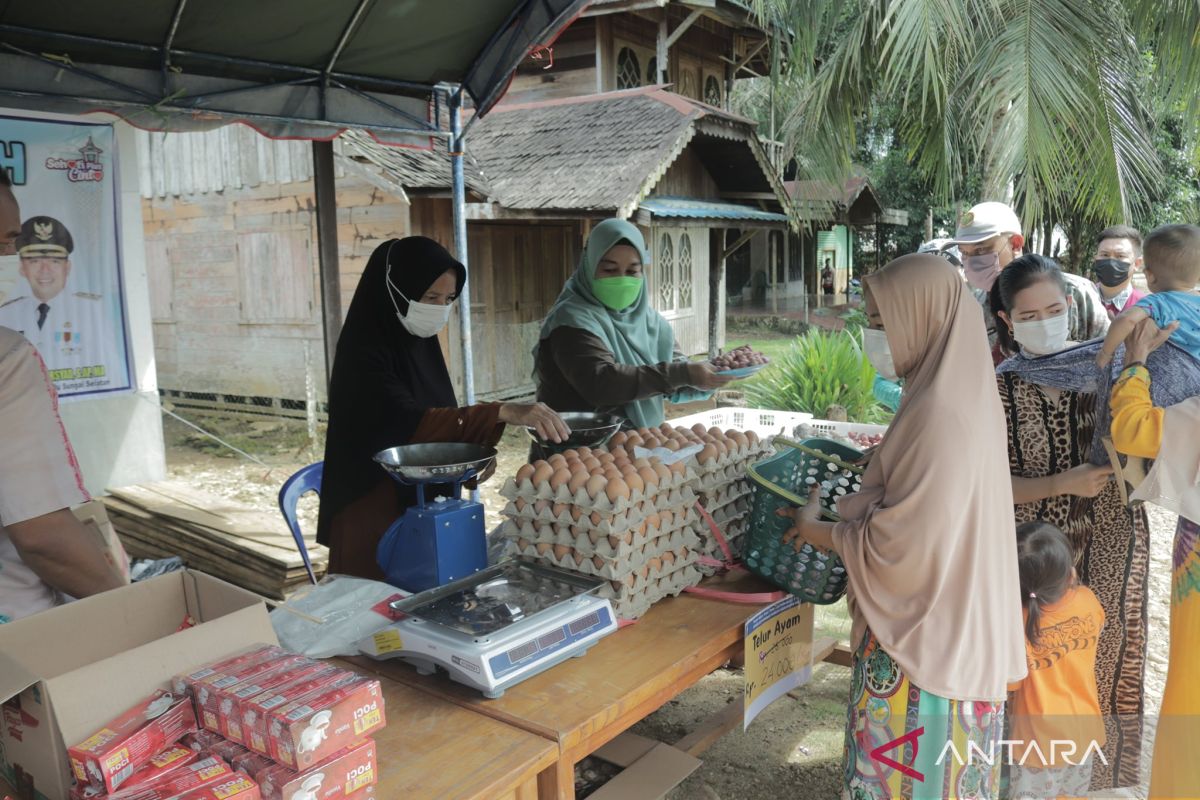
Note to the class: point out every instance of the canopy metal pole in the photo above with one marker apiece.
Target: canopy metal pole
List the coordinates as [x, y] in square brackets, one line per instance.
[460, 243]
[327, 249]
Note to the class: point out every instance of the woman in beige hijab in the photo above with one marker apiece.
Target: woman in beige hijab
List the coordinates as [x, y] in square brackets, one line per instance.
[929, 546]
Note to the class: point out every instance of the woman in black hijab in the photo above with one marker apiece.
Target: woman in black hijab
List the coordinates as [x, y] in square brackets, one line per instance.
[391, 387]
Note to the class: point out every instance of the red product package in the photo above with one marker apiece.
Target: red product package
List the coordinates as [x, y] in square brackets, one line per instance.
[252, 764]
[256, 710]
[202, 740]
[316, 727]
[108, 758]
[239, 787]
[208, 691]
[233, 698]
[197, 775]
[183, 684]
[339, 776]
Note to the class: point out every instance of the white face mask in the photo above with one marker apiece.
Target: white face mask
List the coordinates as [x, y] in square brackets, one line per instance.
[423, 319]
[1041, 337]
[879, 353]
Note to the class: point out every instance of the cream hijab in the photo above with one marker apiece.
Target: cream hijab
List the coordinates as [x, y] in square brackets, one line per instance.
[929, 542]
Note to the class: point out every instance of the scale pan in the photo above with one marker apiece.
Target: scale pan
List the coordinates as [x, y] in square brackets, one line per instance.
[440, 462]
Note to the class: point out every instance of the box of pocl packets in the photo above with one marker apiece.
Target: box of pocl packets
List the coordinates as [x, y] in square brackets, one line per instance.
[205, 772]
[256, 712]
[111, 755]
[234, 700]
[319, 725]
[339, 776]
[237, 787]
[157, 769]
[220, 695]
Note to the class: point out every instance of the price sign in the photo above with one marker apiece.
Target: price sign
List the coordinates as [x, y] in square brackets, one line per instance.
[778, 654]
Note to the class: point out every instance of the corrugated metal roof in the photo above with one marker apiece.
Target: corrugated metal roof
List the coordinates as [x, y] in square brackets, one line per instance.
[690, 208]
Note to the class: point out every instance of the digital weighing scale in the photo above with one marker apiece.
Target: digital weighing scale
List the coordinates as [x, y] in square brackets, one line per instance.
[496, 628]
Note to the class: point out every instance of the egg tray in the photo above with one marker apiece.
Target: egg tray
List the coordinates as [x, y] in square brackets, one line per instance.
[594, 541]
[632, 572]
[734, 533]
[725, 495]
[682, 494]
[737, 510]
[609, 522]
[634, 603]
[611, 525]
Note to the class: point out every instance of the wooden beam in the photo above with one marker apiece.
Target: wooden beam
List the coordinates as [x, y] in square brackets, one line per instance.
[740, 65]
[737, 245]
[374, 177]
[841, 655]
[605, 70]
[682, 27]
[660, 56]
[750, 195]
[325, 193]
[621, 8]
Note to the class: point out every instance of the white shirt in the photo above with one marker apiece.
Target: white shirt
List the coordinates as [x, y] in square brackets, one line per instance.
[38, 470]
[75, 335]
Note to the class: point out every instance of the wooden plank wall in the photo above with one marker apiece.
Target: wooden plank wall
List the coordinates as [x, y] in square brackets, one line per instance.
[233, 279]
[572, 73]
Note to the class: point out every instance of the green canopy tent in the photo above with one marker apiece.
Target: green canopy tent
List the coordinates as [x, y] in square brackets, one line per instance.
[308, 69]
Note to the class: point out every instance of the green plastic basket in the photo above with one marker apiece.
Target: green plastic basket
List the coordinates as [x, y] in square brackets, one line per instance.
[812, 574]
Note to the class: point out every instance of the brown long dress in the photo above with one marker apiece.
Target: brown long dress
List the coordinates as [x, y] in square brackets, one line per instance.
[1112, 551]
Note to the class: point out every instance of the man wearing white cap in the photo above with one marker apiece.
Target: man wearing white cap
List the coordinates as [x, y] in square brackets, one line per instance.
[988, 238]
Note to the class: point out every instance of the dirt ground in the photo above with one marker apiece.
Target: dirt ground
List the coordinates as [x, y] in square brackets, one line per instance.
[792, 750]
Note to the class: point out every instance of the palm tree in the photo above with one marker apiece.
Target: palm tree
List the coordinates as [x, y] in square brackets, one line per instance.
[1045, 96]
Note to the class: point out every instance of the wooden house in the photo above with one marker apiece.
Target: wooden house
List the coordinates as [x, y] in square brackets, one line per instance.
[591, 128]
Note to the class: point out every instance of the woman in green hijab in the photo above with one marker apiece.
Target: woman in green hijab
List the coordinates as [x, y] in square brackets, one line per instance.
[603, 348]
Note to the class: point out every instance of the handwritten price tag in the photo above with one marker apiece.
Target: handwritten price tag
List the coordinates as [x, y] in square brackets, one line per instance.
[778, 650]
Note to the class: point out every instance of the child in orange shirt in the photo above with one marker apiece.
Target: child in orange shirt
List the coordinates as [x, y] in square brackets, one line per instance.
[1056, 725]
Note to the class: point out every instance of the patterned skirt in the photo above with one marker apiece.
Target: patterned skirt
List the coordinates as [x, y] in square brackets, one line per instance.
[903, 742]
[1176, 770]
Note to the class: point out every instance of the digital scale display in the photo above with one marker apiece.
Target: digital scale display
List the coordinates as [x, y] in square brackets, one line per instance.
[548, 643]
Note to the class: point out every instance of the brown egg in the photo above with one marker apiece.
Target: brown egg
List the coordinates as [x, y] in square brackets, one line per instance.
[525, 473]
[540, 506]
[641, 463]
[644, 571]
[557, 460]
[630, 578]
[616, 585]
[683, 553]
[739, 439]
[664, 474]
[520, 504]
[707, 454]
[597, 518]
[666, 429]
[722, 448]
[627, 537]
[561, 550]
[654, 520]
[643, 529]
[617, 440]
[671, 444]
[576, 513]
[571, 455]
[617, 489]
[522, 544]
[635, 440]
[698, 429]
[576, 466]
[636, 484]
[578, 481]
[595, 486]
[752, 437]
[558, 508]
[593, 464]
[584, 452]
[542, 548]
[579, 557]
[541, 473]
[606, 458]
[655, 564]
[614, 542]
[679, 468]
[668, 558]
[649, 479]
[626, 469]
[560, 478]
[667, 519]
[597, 562]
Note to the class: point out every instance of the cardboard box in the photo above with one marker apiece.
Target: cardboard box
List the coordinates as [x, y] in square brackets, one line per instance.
[95, 519]
[339, 776]
[651, 768]
[67, 671]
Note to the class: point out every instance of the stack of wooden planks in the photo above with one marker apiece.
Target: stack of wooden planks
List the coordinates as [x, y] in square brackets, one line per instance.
[245, 546]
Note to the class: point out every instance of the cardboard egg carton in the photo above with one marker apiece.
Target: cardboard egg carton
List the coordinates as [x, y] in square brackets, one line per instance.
[625, 563]
[731, 512]
[657, 524]
[679, 492]
[633, 602]
[724, 495]
[570, 514]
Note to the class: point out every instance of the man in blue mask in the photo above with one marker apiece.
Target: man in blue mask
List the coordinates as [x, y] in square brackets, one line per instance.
[988, 239]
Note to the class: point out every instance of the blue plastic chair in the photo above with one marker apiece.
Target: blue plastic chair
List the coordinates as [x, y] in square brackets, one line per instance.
[306, 480]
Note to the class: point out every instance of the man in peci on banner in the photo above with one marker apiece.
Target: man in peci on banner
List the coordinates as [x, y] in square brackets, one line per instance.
[65, 326]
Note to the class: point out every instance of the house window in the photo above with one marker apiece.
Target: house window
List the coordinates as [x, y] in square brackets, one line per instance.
[712, 91]
[276, 274]
[629, 69]
[666, 273]
[672, 272]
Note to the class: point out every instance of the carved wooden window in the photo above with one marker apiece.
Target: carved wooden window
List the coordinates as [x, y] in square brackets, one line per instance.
[629, 69]
[712, 91]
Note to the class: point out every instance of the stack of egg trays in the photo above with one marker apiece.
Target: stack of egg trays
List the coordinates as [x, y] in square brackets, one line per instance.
[725, 492]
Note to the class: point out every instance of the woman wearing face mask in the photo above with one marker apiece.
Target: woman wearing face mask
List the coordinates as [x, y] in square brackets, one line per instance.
[928, 549]
[603, 348]
[391, 387]
[1050, 436]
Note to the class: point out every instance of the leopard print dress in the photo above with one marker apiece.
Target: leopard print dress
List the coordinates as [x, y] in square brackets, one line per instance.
[1112, 556]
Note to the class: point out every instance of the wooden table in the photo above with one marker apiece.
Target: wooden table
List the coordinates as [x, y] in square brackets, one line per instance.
[433, 748]
[584, 703]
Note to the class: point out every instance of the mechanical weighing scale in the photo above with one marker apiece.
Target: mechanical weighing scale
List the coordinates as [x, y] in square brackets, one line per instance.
[496, 628]
[441, 540]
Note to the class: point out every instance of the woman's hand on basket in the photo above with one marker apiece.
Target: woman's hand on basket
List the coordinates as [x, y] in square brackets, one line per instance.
[806, 523]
